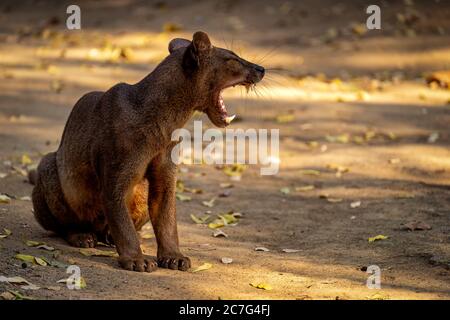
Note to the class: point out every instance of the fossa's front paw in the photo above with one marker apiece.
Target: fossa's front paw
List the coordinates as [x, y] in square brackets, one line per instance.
[139, 264]
[176, 262]
[82, 240]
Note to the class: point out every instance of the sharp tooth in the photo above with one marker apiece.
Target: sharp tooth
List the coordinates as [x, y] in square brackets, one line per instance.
[229, 119]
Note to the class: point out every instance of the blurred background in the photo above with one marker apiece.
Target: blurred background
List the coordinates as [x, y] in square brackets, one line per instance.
[364, 142]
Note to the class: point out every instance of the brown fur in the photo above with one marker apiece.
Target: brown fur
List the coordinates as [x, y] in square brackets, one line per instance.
[112, 171]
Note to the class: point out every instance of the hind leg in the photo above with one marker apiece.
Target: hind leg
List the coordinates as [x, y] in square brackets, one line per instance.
[51, 210]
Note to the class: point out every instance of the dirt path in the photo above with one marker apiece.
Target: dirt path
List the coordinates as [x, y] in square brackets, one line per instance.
[364, 108]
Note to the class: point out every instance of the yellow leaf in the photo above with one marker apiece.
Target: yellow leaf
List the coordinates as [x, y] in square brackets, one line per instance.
[203, 267]
[4, 198]
[285, 118]
[32, 243]
[312, 144]
[193, 190]
[14, 280]
[343, 138]
[234, 170]
[40, 261]
[199, 220]
[369, 135]
[305, 188]
[25, 257]
[226, 185]
[147, 236]
[377, 296]
[180, 186]
[310, 172]
[209, 203]
[82, 282]
[228, 218]
[263, 286]
[26, 160]
[285, 190]
[216, 224]
[378, 237]
[6, 233]
[183, 197]
[96, 252]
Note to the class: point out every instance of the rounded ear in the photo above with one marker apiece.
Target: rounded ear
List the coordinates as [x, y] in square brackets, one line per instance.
[199, 48]
[178, 43]
[201, 43]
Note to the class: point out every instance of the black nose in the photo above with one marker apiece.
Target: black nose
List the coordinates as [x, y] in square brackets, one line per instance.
[260, 69]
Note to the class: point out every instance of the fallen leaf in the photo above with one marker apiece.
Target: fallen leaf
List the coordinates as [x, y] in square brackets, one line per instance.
[263, 286]
[71, 281]
[25, 257]
[234, 169]
[7, 296]
[14, 280]
[226, 185]
[30, 287]
[224, 220]
[6, 233]
[228, 218]
[342, 138]
[56, 85]
[334, 200]
[237, 214]
[359, 29]
[310, 172]
[200, 220]
[4, 198]
[305, 188]
[355, 204]
[193, 190]
[378, 237]
[31, 243]
[226, 260]
[290, 250]
[40, 261]
[19, 296]
[416, 225]
[25, 198]
[147, 236]
[262, 249]
[285, 118]
[219, 233]
[432, 138]
[378, 296]
[216, 224]
[46, 247]
[96, 252]
[312, 144]
[203, 267]
[183, 197]
[26, 160]
[209, 203]
[285, 190]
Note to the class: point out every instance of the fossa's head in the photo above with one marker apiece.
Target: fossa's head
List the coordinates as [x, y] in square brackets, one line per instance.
[214, 70]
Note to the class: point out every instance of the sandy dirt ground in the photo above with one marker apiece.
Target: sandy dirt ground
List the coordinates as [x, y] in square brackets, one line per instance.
[364, 146]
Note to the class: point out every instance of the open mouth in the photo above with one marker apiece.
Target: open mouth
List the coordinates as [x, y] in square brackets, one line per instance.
[218, 113]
